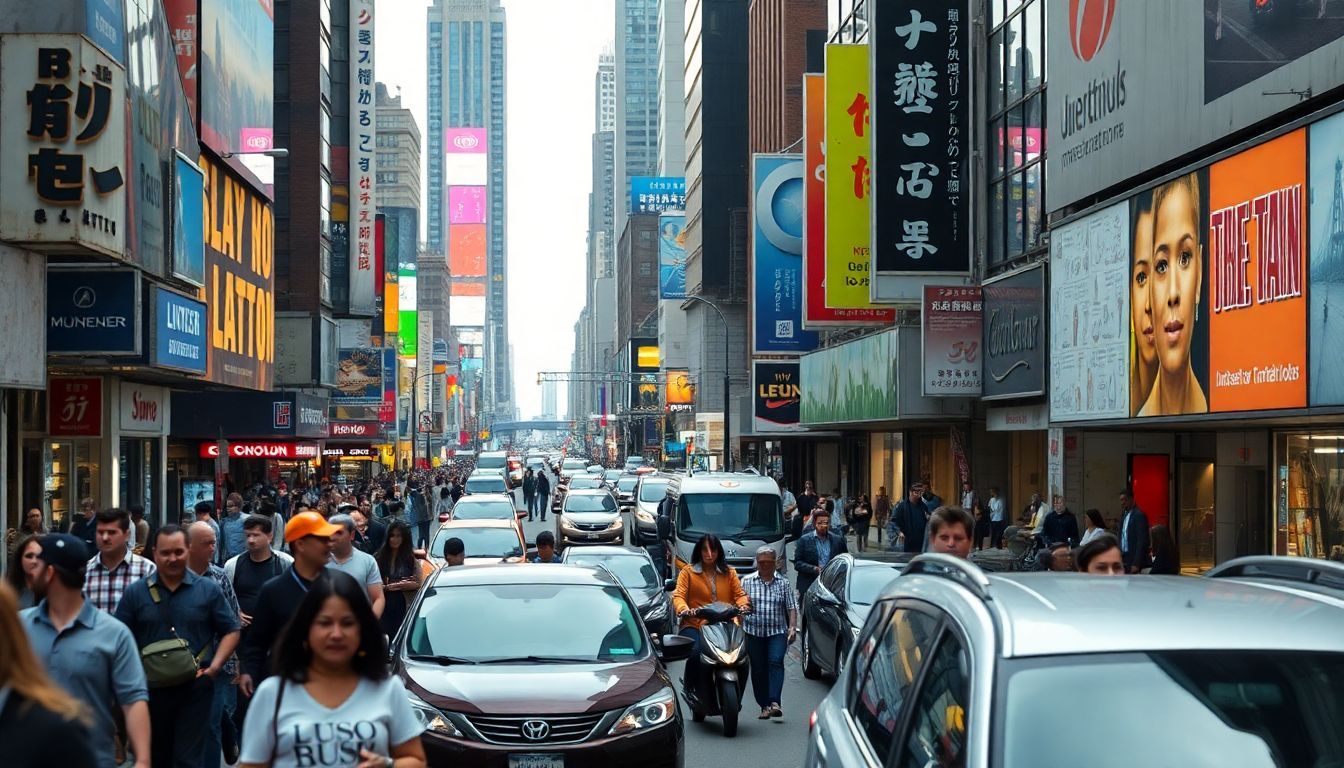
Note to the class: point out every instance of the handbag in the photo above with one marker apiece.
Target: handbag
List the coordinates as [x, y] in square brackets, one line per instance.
[168, 662]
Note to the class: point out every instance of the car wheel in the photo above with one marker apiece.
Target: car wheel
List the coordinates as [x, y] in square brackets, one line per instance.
[810, 669]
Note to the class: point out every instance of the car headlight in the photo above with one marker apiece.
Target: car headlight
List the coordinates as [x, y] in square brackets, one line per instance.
[618, 524]
[657, 709]
[643, 516]
[433, 720]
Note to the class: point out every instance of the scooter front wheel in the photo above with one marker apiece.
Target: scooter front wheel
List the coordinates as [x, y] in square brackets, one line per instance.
[730, 704]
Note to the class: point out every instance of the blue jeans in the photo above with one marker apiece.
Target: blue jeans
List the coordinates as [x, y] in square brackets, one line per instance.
[221, 716]
[692, 672]
[767, 667]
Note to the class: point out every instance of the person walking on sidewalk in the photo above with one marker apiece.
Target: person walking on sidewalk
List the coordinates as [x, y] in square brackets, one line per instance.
[770, 628]
[860, 516]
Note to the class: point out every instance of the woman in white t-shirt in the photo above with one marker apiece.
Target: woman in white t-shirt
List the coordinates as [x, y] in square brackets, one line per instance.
[332, 702]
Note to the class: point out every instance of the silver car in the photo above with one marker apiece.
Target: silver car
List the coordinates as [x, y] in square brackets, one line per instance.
[955, 667]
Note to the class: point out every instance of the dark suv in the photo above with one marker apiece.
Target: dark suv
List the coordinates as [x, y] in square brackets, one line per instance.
[578, 694]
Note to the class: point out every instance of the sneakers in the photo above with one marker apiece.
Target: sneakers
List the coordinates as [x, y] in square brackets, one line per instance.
[775, 711]
[766, 713]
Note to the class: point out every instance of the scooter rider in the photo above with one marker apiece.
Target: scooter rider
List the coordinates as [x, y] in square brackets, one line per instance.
[708, 580]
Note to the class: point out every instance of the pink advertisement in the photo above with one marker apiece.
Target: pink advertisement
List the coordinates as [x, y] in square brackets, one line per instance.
[464, 141]
[466, 205]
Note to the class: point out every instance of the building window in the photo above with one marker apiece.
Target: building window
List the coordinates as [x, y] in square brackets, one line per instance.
[1016, 130]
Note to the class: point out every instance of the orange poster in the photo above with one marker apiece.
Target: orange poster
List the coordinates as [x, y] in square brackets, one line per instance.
[1257, 277]
[466, 250]
[467, 289]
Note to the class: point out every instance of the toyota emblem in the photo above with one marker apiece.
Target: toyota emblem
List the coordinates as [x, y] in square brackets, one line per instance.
[536, 730]
[84, 297]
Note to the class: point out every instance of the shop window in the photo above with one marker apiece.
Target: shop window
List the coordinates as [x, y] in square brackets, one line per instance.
[1309, 496]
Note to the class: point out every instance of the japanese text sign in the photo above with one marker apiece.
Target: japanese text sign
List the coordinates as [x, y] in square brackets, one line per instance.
[63, 132]
[952, 319]
[848, 177]
[363, 180]
[75, 407]
[655, 194]
[921, 123]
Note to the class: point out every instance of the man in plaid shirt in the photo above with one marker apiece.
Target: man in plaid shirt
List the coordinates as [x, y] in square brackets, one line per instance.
[770, 627]
[115, 568]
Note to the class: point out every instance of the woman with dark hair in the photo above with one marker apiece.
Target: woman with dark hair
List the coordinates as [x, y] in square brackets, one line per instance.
[1096, 526]
[1164, 553]
[401, 575]
[331, 700]
[860, 516]
[1101, 557]
[41, 726]
[23, 569]
[709, 579]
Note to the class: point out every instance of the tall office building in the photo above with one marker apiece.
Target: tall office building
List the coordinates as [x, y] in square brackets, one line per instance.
[550, 405]
[672, 153]
[595, 335]
[783, 33]
[636, 67]
[398, 145]
[604, 93]
[467, 172]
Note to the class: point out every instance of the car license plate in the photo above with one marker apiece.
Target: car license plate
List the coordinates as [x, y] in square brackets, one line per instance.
[537, 761]
[593, 535]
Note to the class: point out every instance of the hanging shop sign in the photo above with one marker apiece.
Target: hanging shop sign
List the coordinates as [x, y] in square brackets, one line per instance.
[75, 406]
[142, 409]
[655, 194]
[952, 324]
[777, 256]
[1014, 344]
[776, 388]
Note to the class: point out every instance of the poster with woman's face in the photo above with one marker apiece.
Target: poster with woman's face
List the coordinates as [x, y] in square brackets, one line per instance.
[1168, 288]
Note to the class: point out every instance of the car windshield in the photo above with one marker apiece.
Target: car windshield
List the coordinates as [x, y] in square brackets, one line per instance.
[597, 502]
[611, 474]
[653, 490]
[1243, 708]
[572, 464]
[487, 461]
[483, 510]
[866, 583]
[489, 484]
[734, 516]
[479, 542]
[627, 484]
[634, 571]
[584, 482]
[610, 630]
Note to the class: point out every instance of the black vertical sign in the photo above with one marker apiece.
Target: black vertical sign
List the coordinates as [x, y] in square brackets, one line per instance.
[921, 90]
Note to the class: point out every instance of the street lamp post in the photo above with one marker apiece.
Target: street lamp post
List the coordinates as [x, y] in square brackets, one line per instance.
[415, 416]
[727, 429]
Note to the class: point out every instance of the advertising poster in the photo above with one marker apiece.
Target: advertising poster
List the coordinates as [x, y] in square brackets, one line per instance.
[672, 256]
[406, 321]
[103, 24]
[952, 321]
[187, 202]
[777, 256]
[1090, 322]
[466, 205]
[1257, 277]
[239, 280]
[1137, 83]
[1327, 261]
[75, 406]
[363, 160]
[1014, 351]
[815, 312]
[655, 194]
[466, 250]
[776, 396]
[237, 73]
[183, 29]
[465, 162]
[848, 177]
[853, 382]
[360, 378]
[93, 312]
[679, 392]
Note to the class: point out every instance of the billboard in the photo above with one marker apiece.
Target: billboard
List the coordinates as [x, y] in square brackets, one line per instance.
[1326, 178]
[237, 72]
[848, 177]
[465, 160]
[777, 256]
[406, 321]
[239, 280]
[188, 244]
[467, 205]
[655, 194]
[185, 33]
[672, 256]
[466, 250]
[919, 164]
[363, 375]
[816, 314]
[851, 382]
[180, 339]
[468, 311]
[1135, 84]
[776, 395]
[951, 322]
[1014, 347]
[645, 362]
[363, 161]
[93, 312]
[678, 390]
[103, 25]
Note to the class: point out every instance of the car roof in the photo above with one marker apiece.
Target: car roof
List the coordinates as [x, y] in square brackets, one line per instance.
[481, 498]
[732, 482]
[605, 551]
[1051, 614]
[488, 522]
[531, 573]
[589, 492]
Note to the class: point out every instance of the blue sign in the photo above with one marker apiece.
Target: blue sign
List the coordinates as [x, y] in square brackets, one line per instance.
[104, 24]
[655, 194]
[777, 256]
[672, 256]
[179, 332]
[93, 312]
[188, 221]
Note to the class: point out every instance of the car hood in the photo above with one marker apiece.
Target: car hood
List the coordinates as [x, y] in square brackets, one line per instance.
[590, 517]
[647, 598]
[535, 689]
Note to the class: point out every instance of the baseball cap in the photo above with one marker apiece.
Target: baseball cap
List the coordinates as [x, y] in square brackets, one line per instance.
[64, 551]
[308, 524]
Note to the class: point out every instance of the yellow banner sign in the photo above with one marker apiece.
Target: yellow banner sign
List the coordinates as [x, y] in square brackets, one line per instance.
[848, 177]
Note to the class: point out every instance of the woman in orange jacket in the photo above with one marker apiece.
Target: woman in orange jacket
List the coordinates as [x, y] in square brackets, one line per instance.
[709, 579]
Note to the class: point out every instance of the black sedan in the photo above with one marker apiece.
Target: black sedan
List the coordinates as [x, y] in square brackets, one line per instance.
[835, 608]
[638, 573]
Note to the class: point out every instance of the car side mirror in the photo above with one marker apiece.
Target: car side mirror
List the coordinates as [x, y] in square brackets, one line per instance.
[669, 585]
[674, 648]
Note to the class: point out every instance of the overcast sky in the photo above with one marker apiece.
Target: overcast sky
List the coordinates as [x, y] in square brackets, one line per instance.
[553, 49]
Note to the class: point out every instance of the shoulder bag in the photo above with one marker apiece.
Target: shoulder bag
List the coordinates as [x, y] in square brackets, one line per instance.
[168, 662]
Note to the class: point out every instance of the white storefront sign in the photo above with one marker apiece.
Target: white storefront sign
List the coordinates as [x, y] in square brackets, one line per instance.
[143, 409]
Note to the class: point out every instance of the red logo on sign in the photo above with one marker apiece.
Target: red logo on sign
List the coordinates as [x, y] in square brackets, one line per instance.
[75, 407]
[1089, 26]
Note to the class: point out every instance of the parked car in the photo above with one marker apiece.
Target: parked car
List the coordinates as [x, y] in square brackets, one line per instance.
[637, 572]
[835, 608]
[485, 541]
[589, 516]
[953, 664]
[486, 506]
[625, 490]
[580, 694]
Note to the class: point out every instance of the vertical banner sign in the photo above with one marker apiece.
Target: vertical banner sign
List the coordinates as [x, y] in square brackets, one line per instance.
[672, 256]
[777, 256]
[848, 177]
[920, 139]
[815, 312]
[953, 324]
[363, 187]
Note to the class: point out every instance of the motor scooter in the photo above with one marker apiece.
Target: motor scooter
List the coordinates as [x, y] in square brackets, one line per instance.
[722, 676]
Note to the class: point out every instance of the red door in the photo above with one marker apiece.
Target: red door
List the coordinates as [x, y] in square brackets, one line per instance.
[1148, 475]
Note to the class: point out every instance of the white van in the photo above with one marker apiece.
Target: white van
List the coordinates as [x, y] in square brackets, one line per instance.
[744, 510]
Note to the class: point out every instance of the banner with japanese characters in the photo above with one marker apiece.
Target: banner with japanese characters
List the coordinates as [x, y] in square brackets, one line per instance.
[363, 186]
[953, 323]
[63, 133]
[920, 143]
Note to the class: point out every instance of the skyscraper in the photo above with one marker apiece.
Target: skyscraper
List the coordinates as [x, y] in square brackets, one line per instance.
[466, 61]
[636, 67]
[398, 143]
